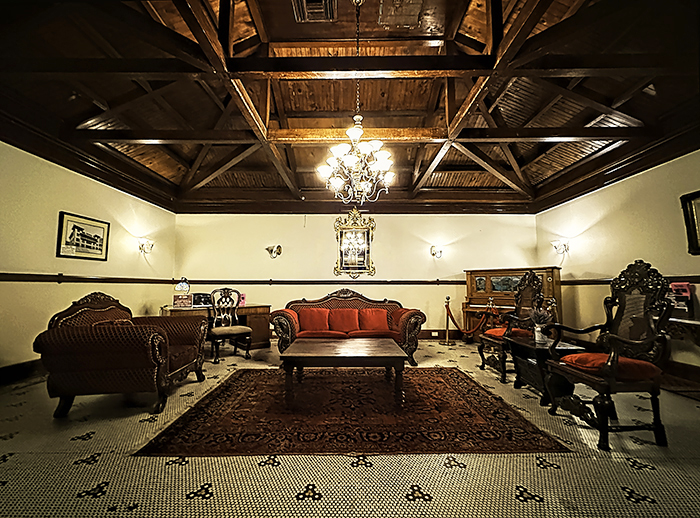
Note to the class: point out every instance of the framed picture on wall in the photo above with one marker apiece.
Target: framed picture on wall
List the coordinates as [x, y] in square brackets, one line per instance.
[691, 213]
[80, 237]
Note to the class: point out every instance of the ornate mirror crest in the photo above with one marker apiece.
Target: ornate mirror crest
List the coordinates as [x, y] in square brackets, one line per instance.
[354, 235]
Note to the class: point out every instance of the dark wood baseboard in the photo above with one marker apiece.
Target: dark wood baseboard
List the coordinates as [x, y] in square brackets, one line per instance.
[683, 370]
[11, 374]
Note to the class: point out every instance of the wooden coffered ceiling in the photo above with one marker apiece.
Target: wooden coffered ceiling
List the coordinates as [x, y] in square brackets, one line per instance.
[228, 106]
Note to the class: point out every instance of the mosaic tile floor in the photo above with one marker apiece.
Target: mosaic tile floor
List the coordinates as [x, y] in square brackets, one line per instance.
[82, 466]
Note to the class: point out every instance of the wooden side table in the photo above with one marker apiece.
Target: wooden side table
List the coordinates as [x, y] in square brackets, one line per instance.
[530, 359]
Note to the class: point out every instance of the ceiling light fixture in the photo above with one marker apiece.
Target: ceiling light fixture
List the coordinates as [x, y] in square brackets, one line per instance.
[359, 171]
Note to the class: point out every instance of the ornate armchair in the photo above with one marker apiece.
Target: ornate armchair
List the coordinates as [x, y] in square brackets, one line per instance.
[528, 296]
[629, 353]
[96, 347]
[224, 326]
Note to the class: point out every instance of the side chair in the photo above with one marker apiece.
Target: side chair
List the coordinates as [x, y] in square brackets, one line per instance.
[528, 296]
[224, 323]
[628, 356]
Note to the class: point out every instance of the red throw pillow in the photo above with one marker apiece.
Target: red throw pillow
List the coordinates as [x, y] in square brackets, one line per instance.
[628, 369]
[313, 319]
[343, 320]
[496, 331]
[374, 319]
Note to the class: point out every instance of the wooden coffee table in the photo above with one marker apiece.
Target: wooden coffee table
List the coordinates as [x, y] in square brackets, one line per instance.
[352, 352]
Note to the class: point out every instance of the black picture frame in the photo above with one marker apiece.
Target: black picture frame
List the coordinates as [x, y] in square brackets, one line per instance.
[80, 237]
[691, 213]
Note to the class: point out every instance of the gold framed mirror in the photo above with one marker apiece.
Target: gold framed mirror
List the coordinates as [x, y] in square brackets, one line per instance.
[354, 236]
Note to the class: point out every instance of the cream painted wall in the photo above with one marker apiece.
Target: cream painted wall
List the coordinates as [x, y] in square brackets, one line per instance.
[637, 218]
[233, 247]
[33, 192]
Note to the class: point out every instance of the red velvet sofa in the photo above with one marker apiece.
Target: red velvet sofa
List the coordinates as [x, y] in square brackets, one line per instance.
[348, 314]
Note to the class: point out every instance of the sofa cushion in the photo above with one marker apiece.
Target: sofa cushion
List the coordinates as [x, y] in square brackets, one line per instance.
[628, 369]
[374, 319]
[322, 334]
[375, 333]
[343, 319]
[313, 319]
[498, 332]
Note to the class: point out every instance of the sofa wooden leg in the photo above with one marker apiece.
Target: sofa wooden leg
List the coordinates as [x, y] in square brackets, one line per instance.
[162, 400]
[64, 404]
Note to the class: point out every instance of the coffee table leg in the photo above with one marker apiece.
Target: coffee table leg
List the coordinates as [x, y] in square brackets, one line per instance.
[289, 383]
[398, 384]
[387, 374]
[300, 374]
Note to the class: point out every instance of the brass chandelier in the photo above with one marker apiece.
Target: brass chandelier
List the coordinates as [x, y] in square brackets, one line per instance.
[359, 171]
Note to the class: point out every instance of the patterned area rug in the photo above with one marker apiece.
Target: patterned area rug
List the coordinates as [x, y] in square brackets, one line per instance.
[344, 411]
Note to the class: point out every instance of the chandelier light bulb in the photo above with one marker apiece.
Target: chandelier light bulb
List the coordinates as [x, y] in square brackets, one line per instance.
[389, 177]
[325, 171]
[382, 155]
[355, 133]
[365, 148]
[340, 150]
[332, 161]
[337, 183]
[376, 144]
[350, 161]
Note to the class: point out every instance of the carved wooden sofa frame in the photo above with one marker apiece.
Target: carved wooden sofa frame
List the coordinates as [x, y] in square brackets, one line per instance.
[403, 324]
[97, 347]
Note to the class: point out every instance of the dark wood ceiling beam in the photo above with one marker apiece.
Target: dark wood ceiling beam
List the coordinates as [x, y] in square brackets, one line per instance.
[123, 103]
[158, 136]
[429, 195]
[468, 44]
[508, 177]
[454, 21]
[278, 100]
[423, 177]
[225, 25]
[351, 45]
[521, 28]
[363, 67]
[348, 114]
[315, 136]
[137, 26]
[222, 166]
[246, 47]
[257, 17]
[609, 65]
[494, 25]
[139, 68]
[195, 15]
[568, 30]
[587, 100]
[631, 91]
[204, 150]
[549, 104]
[563, 134]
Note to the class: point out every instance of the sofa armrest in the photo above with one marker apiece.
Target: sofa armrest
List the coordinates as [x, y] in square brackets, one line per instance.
[286, 324]
[102, 347]
[179, 330]
[407, 322]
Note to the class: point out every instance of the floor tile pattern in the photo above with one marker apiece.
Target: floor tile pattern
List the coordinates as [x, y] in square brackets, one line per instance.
[83, 465]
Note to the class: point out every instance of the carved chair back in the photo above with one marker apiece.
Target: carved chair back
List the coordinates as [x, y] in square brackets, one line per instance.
[638, 310]
[528, 296]
[224, 303]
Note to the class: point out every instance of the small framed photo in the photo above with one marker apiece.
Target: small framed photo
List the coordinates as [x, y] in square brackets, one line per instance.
[691, 213]
[81, 237]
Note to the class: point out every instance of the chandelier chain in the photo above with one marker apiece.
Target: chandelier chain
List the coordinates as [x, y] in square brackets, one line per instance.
[357, 54]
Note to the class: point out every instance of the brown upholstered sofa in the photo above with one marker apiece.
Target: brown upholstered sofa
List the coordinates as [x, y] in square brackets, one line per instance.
[96, 347]
[348, 314]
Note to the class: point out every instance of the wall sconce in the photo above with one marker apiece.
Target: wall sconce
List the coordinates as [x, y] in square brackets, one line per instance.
[437, 254]
[183, 285]
[561, 246]
[274, 251]
[145, 245]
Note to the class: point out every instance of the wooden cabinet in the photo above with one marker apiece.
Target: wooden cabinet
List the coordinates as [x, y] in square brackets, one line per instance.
[255, 316]
[499, 285]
